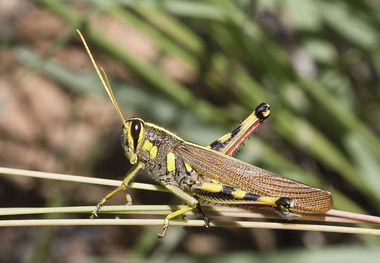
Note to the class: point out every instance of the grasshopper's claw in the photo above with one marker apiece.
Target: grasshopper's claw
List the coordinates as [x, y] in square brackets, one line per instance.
[207, 222]
[162, 234]
[94, 214]
[164, 229]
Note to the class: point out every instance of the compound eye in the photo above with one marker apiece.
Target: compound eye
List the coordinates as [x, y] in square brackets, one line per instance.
[135, 129]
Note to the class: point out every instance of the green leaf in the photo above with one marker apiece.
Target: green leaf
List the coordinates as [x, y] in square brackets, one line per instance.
[348, 24]
[304, 14]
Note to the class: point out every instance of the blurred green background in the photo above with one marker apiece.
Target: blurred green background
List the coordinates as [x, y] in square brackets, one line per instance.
[197, 68]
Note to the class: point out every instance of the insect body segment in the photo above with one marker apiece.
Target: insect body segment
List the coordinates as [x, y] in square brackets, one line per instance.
[209, 174]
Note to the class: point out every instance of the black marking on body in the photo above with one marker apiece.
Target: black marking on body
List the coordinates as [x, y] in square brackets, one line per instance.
[214, 196]
[235, 131]
[251, 197]
[227, 190]
[216, 145]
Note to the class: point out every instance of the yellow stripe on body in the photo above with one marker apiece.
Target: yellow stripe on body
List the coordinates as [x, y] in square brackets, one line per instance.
[141, 136]
[153, 152]
[225, 138]
[211, 187]
[238, 194]
[188, 167]
[150, 148]
[170, 162]
[266, 113]
[147, 146]
[249, 121]
[268, 200]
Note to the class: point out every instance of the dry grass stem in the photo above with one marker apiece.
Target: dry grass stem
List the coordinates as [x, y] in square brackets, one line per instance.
[218, 212]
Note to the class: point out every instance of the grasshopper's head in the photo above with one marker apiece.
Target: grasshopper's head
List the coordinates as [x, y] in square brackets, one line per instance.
[132, 137]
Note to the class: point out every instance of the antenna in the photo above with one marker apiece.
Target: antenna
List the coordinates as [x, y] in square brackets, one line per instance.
[104, 80]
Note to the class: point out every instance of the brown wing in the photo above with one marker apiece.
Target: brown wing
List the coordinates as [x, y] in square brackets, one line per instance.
[235, 173]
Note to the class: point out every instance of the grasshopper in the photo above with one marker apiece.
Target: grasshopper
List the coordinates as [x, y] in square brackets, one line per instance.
[197, 174]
